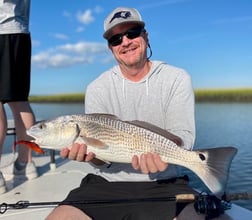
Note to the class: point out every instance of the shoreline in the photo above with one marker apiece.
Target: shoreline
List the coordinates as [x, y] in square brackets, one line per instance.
[243, 95]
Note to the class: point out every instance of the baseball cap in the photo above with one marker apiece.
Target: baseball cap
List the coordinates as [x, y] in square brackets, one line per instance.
[121, 15]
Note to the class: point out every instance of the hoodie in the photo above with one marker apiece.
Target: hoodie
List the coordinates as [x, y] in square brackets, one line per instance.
[164, 97]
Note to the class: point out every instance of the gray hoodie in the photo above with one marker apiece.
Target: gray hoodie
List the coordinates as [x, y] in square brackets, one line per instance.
[164, 98]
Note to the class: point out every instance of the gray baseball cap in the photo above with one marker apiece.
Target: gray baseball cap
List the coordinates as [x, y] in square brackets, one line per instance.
[119, 16]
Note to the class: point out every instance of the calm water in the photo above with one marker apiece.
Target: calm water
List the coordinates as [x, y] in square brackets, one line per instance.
[216, 124]
[228, 125]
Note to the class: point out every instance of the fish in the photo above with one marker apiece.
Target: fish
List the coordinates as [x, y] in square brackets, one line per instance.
[114, 140]
[30, 144]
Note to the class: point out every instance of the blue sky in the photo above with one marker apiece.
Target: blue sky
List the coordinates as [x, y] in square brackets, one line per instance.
[211, 39]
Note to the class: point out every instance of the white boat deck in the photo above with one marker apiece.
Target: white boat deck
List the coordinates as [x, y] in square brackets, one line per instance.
[52, 185]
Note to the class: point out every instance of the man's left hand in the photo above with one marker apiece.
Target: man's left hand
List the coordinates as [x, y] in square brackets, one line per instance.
[149, 163]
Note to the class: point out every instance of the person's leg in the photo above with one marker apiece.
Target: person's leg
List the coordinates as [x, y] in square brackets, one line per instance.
[66, 212]
[24, 168]
[3, 127]
[24, 118]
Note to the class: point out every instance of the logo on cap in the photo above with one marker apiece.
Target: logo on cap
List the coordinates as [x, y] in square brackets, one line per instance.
[121, 14]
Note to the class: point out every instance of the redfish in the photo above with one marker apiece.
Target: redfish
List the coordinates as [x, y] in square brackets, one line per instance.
[114, 140]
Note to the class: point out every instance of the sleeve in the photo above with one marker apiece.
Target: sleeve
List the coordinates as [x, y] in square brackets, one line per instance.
[94, 99]
[180, 110]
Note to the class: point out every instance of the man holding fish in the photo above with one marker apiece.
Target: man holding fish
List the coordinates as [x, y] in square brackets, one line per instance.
[137, 89]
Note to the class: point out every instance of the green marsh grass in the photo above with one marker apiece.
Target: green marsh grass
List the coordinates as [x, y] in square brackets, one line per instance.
[69, 98]
[224, 95]
[201, 95]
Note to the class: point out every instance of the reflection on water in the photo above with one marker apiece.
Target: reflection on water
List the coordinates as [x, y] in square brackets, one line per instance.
[217, 124]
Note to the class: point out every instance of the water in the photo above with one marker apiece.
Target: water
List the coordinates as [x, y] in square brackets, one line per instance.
[217, 124]
[225, 124]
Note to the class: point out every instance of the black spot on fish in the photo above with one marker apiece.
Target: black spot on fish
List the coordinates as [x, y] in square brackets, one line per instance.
[202, 157]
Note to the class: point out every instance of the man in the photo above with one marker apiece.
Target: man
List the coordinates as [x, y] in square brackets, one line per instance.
[136, 89]
[15, 61]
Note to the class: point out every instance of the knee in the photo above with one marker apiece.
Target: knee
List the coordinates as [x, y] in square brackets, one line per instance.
[65, 212]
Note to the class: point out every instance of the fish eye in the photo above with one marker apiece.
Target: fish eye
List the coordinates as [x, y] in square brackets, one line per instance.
[202, 157]
[41, 125]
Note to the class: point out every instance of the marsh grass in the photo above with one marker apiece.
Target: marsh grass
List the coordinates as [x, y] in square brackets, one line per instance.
[201, 95]
[224, 95]
[71, 98]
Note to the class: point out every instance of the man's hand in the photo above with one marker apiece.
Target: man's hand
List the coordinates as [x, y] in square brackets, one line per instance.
[149, 163]
[77, 152]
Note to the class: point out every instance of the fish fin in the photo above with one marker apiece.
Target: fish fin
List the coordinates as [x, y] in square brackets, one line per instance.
[108, 163]
[153, 128]
[94, 142]
[214, 169]
[29, 144]
[104, 115]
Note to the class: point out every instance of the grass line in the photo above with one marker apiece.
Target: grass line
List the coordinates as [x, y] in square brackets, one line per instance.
[201, 95]
[224, 95]
[71, 98]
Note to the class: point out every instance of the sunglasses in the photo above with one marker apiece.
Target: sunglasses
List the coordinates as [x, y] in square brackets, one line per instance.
[130, 34]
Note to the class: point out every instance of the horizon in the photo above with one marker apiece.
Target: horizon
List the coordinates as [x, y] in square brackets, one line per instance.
[195, 90]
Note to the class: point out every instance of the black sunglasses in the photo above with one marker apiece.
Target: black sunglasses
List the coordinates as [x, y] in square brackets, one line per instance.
[130, 34]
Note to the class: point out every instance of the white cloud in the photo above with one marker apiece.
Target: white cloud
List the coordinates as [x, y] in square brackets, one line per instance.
[85, 17]
[83, 47]
[71, 54]
[60, 36]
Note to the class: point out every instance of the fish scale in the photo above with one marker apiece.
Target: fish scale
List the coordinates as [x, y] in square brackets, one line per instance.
[118, 133]
[114, 140]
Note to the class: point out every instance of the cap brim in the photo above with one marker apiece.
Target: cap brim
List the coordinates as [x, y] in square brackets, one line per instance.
[106, 33]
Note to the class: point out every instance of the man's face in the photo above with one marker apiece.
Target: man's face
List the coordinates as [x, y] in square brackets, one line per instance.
[130, 52]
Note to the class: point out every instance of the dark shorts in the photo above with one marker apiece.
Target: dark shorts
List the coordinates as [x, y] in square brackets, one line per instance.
[15, 67]
[101, 199]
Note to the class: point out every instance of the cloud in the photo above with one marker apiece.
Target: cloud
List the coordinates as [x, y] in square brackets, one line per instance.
[60, 36]
[79, 29]
[45, 60]
[85, 17]
[71, 54]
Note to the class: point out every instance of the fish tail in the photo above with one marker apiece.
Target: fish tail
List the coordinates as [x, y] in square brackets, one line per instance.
[214, 167]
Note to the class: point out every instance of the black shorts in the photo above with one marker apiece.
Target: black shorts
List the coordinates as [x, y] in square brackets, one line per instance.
[15, 67]
[101, 199]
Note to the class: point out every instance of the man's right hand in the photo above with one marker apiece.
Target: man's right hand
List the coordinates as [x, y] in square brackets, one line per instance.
[79, 152]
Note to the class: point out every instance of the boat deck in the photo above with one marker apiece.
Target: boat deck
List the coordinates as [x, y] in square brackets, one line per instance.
[52, 185]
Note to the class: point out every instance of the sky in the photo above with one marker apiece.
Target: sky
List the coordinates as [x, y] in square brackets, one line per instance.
[210, 39]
